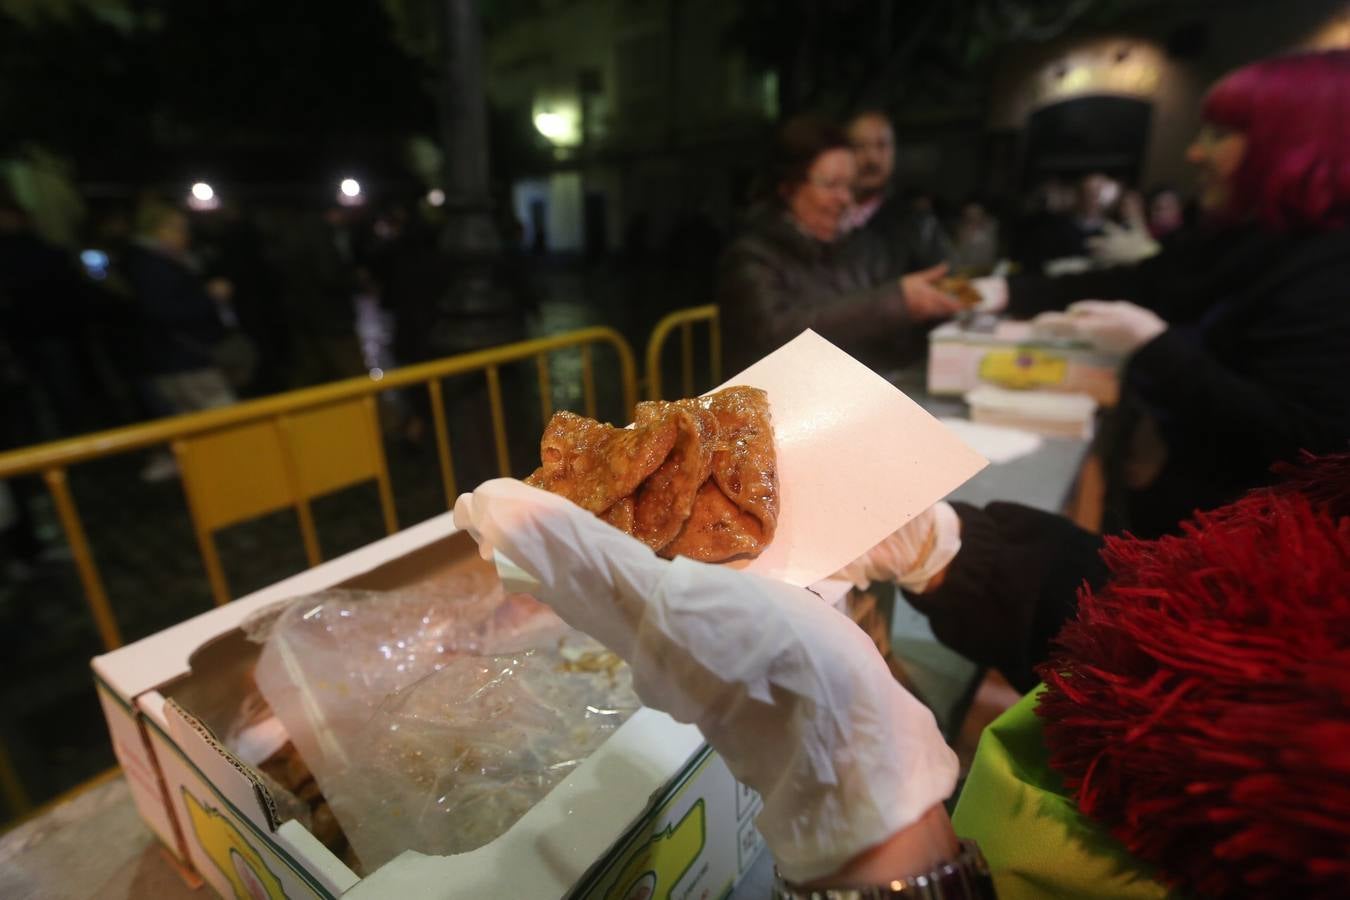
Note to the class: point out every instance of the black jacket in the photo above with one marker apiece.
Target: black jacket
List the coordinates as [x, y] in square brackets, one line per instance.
[910, 240]
[179, 323]
[1012, 587]
[1253, 368]
[775, 281]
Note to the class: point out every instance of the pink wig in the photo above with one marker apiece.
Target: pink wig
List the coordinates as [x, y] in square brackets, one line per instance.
[1295, 114]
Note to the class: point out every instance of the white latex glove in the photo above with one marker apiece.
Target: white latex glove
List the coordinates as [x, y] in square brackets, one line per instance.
[910, 557]
[1055, 326]
[993, 291]
[1119, 246]
[787, 689]
[1115, 326]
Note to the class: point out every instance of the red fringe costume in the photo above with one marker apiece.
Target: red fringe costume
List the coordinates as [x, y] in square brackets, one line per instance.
[1199, 706]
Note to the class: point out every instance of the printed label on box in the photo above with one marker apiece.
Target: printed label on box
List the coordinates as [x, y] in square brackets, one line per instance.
[1023, 367]
[651, 871]
[242, 866]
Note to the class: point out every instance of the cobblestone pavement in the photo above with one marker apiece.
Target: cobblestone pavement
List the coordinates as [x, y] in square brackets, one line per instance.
[52, 730]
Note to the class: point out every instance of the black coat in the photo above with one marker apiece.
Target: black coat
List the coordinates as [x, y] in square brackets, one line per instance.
[1254, 367]
[1012, 587]
[180, 326]
[775, 281]
[909, 240]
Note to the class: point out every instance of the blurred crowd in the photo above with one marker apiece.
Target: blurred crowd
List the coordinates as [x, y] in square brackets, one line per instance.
[1225, 312]
[169, 311]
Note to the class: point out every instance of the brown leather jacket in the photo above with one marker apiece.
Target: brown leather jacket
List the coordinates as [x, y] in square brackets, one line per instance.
[775, 281]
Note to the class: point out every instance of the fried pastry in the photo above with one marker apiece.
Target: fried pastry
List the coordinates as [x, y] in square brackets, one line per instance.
[695, 477]
[596, 465]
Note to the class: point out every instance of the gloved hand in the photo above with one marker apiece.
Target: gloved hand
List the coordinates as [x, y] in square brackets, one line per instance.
[993, 291]
[1120, 246]
[1115, 326]
[910, 557]
[788, 690]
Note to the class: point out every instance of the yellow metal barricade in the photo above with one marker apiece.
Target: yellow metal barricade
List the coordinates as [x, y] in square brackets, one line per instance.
[684, 320]
[241, 461]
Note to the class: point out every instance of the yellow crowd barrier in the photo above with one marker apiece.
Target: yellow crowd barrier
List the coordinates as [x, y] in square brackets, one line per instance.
[306, 443]
[684, 320]
[297, 446]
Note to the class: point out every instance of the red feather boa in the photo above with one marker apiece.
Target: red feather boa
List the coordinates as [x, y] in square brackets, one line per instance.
[1199, 706]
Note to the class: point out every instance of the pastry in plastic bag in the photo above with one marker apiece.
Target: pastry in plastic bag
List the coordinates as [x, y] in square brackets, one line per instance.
[432, 719]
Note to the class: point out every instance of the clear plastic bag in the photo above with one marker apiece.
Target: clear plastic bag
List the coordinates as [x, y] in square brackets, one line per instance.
[433, 719]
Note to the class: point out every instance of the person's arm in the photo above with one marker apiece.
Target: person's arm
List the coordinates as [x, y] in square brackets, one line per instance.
[1031, 294]
[1292, 397]
[916, 849]
[1011, 586]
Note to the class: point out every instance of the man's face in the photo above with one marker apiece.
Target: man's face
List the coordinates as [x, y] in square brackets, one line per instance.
[874, 149]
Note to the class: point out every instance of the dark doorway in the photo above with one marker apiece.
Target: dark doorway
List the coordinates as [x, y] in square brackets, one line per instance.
[1088, 134]
[538, 226]
[595, 224]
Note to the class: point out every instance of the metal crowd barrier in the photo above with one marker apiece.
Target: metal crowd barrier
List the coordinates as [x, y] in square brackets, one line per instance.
[284, 424]
[289, 418]
[684, 319]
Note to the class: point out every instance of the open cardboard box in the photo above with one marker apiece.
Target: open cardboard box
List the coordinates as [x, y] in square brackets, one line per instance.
[652, 798]
[653, 812]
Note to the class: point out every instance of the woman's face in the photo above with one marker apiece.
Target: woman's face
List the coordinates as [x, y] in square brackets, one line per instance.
[818, 203]
[1165, 213]
[1218, 153]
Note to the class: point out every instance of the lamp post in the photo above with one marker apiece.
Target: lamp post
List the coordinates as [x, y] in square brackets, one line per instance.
[474, 310]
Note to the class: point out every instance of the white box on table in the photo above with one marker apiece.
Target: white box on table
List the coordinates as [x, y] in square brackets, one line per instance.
[1008, 355]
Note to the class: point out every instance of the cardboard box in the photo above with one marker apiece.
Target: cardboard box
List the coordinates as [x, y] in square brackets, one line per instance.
[653, 806]
[1005, 354]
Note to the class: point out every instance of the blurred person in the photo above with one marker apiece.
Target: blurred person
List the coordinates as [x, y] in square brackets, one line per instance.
[1166, 214]
[1045, 230]
[259, 347]
[1236, 339]
[791, 268]
[910, 233]
[317, 257]
[44, 314]
[180, 319]
[976, 249]
[1124, 239]
[20, 544]
[1090, 224]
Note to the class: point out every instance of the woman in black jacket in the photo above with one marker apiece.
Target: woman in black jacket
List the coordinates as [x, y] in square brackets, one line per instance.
[1237, 340]
[793, 267]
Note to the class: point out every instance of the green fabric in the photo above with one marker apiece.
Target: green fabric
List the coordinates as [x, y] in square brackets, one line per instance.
[1038, 845]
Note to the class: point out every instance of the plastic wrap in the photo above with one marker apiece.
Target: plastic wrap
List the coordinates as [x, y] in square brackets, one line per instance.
[432, 719]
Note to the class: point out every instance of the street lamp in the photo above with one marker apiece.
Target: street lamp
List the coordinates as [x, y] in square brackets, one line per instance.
[349, 192]
[202, 197]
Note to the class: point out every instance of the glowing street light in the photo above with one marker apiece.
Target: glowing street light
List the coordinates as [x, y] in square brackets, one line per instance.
[436, 197]
[349, 192]
[202, 196]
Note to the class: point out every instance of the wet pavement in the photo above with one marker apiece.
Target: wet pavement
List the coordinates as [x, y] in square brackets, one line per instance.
[52, 730]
